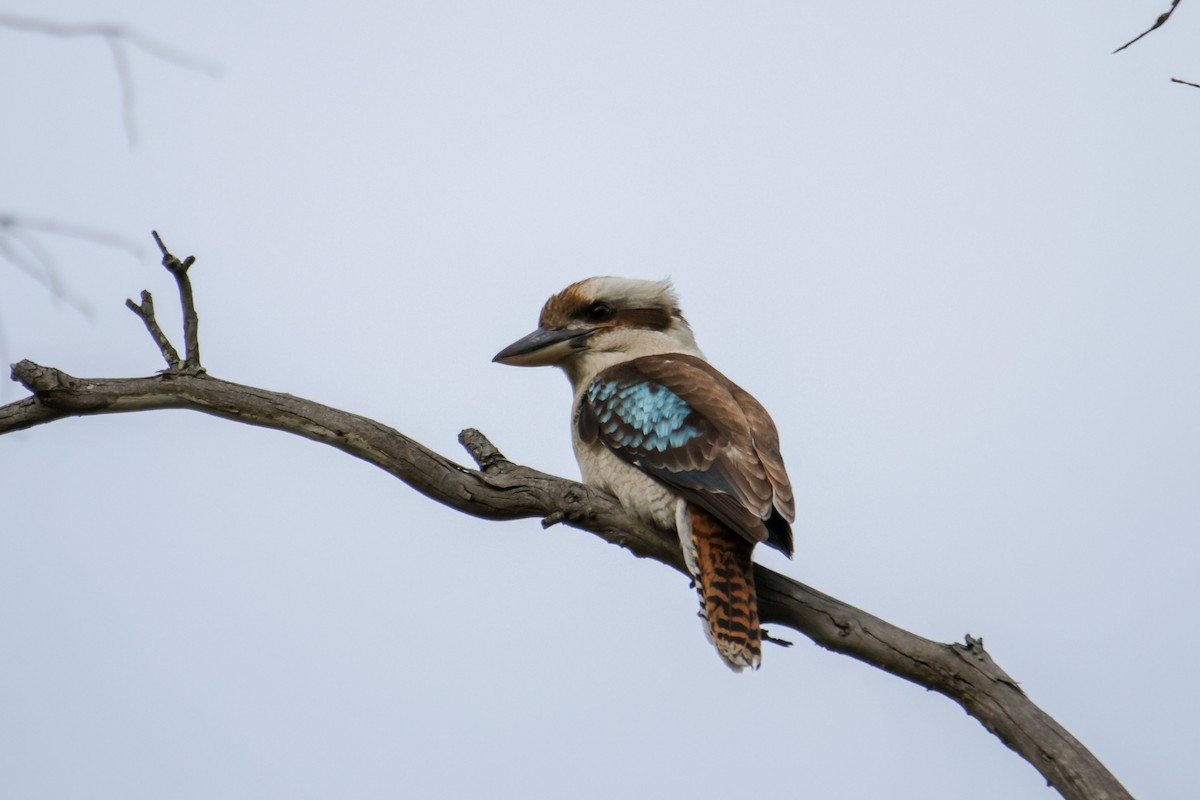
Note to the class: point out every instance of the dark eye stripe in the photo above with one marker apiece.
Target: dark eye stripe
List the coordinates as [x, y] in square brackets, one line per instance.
[657, 318]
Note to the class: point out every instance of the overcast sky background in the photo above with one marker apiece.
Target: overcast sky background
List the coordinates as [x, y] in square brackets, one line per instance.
[952, 248]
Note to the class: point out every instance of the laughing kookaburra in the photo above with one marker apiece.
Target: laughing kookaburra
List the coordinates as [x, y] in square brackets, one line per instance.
[675, 441]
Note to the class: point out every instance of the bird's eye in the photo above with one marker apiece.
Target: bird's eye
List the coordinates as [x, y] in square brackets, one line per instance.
[598, 312]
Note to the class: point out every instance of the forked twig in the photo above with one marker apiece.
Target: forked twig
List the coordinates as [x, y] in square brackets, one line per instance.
[118, 38]
[145, 312]
[190, 365]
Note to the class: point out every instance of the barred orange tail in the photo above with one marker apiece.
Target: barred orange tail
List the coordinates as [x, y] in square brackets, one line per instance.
[725, 580]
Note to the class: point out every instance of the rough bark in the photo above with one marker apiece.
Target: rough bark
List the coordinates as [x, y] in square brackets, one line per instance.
[499, 489]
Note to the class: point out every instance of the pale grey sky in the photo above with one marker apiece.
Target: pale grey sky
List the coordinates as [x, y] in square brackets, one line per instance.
[952, 248]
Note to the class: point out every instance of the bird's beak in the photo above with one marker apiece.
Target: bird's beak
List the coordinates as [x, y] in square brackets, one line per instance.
[544, 346]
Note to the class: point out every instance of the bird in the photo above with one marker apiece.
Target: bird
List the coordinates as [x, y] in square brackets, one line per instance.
[678, 444]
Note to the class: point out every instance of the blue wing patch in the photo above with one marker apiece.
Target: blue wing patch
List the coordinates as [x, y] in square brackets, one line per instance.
[699, 434]
[641, 416]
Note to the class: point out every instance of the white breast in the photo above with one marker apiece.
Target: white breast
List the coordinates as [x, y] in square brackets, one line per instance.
[639, 494]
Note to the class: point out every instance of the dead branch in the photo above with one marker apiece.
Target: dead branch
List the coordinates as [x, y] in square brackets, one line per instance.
[22, 246]
[191, 322]
[1185, 83]
[145, 312]
[70, 230]
[500, 489]
[1158, 23]
[119, 39]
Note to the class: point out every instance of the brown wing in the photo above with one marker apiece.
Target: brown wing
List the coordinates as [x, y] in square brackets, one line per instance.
[684, 423]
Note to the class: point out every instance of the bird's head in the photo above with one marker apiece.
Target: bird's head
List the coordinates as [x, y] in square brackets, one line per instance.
[602, 321]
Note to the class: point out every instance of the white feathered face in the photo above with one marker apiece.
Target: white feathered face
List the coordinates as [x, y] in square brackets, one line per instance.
[604, 315]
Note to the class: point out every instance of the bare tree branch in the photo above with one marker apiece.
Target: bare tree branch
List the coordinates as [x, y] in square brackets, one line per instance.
[500, 489]
[1185, 83]
[21, 247]
[71, 230]
[191, 322]
[108, 30]
[1158, 23]
[128, 90]
[145, 313]
[118, 38]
